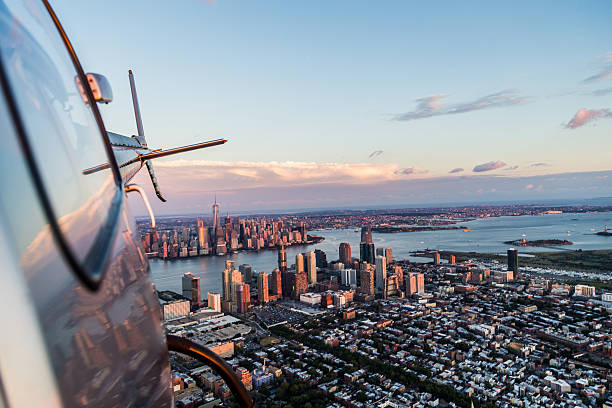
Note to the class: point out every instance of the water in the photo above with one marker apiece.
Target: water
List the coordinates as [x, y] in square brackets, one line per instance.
[487, 235]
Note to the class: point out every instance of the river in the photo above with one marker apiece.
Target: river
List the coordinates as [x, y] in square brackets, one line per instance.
[486, 235]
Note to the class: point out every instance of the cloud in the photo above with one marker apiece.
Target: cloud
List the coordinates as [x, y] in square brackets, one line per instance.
[602, 92]
[254, 174]
[538, 164]
[511, 168]
[534, 188]
[605, 72]
[375, 153]
[190, 188]
[584, 116]
[410, 170]
[456, 170]
[492, 165]
[432, 105]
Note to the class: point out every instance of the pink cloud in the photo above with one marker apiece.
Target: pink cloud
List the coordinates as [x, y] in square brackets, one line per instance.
[584, 116]
[492, 165]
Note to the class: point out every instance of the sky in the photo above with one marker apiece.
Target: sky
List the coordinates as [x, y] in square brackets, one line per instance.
[358, 103]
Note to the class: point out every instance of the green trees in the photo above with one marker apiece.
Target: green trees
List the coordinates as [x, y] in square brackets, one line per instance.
[397, 374]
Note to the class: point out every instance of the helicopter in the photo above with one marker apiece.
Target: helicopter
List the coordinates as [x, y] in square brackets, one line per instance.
[82, 324]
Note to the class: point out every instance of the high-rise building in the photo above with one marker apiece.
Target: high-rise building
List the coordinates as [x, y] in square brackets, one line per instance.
[367, 281]
[411, 284]
[214, 301]
[310, 267]
[247, 271]
[303, 231]
[345, 253]
[388, 255]
[202, 234]
[262, 287]
[451, 259]
[191, 288]
[513, 263]
[381, 273]
[215, 215]
[228, 228]
[366, 235]
[227, 279]
[321, 258]
[415, 283]
[348, 277]
[436, 258]
[243, 291]
[420, 283]
[386, 252]
[367, 253]
[276, 285]
[297, 283]
[299, 263]
[282, 259]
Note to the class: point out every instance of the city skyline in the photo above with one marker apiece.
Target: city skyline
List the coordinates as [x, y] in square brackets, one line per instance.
[478, 102]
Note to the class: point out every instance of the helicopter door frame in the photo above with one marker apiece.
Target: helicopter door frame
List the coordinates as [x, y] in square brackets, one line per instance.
[90, 267]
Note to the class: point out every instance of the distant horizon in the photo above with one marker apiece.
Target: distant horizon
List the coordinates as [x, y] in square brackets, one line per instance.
[606, 201]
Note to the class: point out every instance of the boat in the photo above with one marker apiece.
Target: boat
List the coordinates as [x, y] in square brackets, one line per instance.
[467, 230]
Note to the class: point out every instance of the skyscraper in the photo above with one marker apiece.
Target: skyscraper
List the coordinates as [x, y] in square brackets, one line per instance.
[345, 253]
[214, 301]
[420, 278]
[310, 267]
[366, 252]
[282, 259]
[303, 231]
[215, 215]
[436, 258]
[191, 288]
[386, 252]
[202, 234]
[243, 292]
[415, 283]
[381, 273]
[348, 277]
[299, 263]
[367, 281]
[366, 234]
[227, 279]
[388, 255]
[321, 258]
[247, 271]
[262, 287]
[513, 262]
[411, 284]
[276, 287]
[298, 284]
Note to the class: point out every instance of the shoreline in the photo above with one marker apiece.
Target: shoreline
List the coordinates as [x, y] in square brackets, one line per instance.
[317, 239]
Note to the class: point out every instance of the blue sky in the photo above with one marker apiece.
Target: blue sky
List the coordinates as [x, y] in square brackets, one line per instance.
[319, 94]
